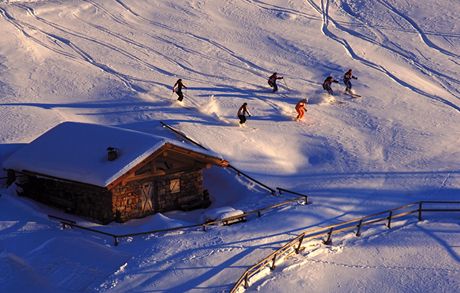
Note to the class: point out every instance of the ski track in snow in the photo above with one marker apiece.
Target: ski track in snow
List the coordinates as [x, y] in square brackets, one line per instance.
[81, 55]
[271, 7]
[379, 267]
[86, 56]
[176, 255]
[351, 52]
[59, 41]
[127, 80]
[423, 37]
[248, 65]
[408, 56]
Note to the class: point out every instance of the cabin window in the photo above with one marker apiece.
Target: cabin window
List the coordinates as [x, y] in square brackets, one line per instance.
[174, 185]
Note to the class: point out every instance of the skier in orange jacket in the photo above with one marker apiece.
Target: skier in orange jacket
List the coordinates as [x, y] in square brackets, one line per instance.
[300, 107]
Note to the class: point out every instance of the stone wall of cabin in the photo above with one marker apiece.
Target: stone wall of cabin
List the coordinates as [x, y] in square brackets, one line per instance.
[133, 200]
[76, 198]
[189, 197]
[129, 202]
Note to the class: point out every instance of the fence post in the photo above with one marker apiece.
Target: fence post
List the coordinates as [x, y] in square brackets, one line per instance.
[329, 237]
[273, 263]
[246, 281]
[297, 250]
[420, 211]
[358, 233]
[306, 199]
[389, 220]
[258, 213]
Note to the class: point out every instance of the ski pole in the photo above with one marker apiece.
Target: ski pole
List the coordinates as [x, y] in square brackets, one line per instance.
[284, 80]
[173, 92]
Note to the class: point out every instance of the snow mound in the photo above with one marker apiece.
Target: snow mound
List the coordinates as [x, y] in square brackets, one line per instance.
[286, 15]
[159, 221]
[220, 213]
[323, 99]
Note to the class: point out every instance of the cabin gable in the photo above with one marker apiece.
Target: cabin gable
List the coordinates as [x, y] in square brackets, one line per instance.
[169, 179]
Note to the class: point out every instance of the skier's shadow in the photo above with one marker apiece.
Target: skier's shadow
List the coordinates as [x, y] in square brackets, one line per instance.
[230, 91]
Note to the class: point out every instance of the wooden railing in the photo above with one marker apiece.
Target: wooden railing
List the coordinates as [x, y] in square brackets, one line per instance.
[66, 223]
[182, 135]
[241, 173]
[294, 246]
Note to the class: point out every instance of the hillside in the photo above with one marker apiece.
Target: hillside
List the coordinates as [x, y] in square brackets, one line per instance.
[114, 62]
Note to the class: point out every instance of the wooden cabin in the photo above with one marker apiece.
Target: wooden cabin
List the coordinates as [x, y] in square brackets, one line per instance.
[109, 173]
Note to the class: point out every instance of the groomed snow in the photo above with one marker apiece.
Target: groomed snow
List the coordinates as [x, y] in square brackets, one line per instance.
[113, 62]
[421, 257]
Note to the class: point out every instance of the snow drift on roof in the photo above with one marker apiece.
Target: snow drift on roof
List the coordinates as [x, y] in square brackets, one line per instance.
[78, 152]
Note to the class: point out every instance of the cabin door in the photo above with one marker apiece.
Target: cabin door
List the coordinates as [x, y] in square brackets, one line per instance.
[147, 191]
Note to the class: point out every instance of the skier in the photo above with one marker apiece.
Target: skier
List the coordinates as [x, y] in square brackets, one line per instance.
[242, 113]
[272, 81]
[327, 84]
[300, 107]
[177, 88]
[347, 81]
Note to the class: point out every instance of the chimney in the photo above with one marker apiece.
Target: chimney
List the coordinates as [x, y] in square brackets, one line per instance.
[112, 153]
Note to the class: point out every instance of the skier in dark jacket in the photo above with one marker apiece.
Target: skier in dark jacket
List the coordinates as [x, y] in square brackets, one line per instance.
[242, 111]
[327, 84]
[272, 81]
[178, 89]
[347, 81]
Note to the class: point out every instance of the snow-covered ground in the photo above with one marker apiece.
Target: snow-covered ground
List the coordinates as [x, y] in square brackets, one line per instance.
[114, 62]
[420, 257]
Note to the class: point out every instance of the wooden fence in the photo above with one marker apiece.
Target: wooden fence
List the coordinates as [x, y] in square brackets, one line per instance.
[66, 223]
[294, 246]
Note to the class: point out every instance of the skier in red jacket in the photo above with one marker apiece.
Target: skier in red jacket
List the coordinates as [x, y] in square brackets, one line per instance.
[300, 107]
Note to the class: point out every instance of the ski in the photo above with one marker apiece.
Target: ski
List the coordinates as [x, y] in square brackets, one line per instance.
[246, 127]
[352, 95]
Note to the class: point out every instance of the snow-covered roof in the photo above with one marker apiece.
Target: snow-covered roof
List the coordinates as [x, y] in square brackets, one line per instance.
[78, 152]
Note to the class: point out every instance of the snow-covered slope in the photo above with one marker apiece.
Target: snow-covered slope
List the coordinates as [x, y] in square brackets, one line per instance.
[114, 62]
